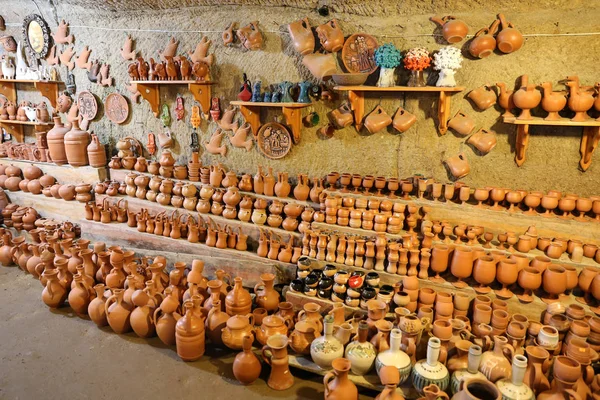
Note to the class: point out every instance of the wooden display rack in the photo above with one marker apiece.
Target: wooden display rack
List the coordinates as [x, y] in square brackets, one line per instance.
[589, 140]
[48, 89]
[66, 173]
[291, 112]
[15, 128]
[150, 91]
[356, 96]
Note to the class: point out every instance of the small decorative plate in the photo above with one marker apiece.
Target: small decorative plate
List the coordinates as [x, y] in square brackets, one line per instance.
[358, 53]
[274, 140]
[116, 108]
[88, 106]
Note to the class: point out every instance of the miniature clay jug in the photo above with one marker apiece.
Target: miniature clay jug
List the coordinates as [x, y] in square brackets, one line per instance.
[96, 309]
[484, 43]
[508, 39]
[484, 97]
[458, 165]
[54, 293]
[246, 366]
[96, 153]
[483, 140]
[266, 296]
[118, 312]
[403, 120]
[238, 300]
[336, 382]
[302, 36]
[56, 142]
[495, 365]
[377, 120]
[330, 36]
[454, 30]
[461, 123]
[76, 142]
[189, 334]
[280, 377]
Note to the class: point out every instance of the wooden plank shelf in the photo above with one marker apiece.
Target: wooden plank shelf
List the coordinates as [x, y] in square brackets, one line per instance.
[48, 89]
[34, 123]
[49, 207]
[119, 175]
[247, 228]
[356, 96]
[63, 173]
[150, 91]
[291, 112]
[589, 139]
[348, 231]
[15, 128]
[245, 264]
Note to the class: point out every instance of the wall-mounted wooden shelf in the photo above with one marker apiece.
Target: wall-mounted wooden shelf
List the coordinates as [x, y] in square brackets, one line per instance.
[356, 96]
[15, 128]
[589, 140]
[291, 111]
[48, 89]
[150, 91]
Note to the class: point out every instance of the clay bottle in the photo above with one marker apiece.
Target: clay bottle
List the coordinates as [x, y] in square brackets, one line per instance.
[215, 323]
[266, 296]
[96, 153]
[269, 183]
[79, 296]
[282, 187]
[56, 142]
[76, 142]
[336, 382]
[118, 312]
[238, 300]
[259, 181]
[301, 191]
[246, 366]
[189, 334]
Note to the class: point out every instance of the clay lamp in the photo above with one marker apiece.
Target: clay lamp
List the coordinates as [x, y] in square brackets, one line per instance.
[332, 178]
[393, 185]
[497, 195]
[345, 180]
[530, 279]
[506, 274]
[554, 283]
[380, 183]
[436, 191]
[513, 197]
[368, 181]
[481, 195]
[449, 191]
[549, 202]
[356, 181]
[532, 200]
[407, 187]
[566, 205]
[584, 205]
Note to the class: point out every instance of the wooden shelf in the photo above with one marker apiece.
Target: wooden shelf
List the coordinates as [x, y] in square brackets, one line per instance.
[48, 89]
[63, 173]
[245, 264]
[291, 112]
[15, 128]
[589, 140]
[356, 96]
[150, 91]
[349, 231]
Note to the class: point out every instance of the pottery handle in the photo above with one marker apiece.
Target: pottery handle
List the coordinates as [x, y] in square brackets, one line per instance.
[503, 21]
[442, 395]
[482, 31]
[288, 323]
[573, 395]
[155, 315]
[537, 375]
[588, 375]
[259, 286]
[510, 349]
[108, 302]
[443, 355]
[437, 20]
[494, 27]
[301, 314]
[264, 355]
[250, 319]
[328, 377]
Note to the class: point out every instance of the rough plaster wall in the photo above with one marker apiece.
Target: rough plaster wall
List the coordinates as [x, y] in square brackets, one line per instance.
[553, 155]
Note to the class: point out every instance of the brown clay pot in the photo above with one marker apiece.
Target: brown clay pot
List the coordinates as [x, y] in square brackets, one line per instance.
[483, 140]
[56, 142]
[461, 123]
[484, 97]
[302, 36]
[377, 120]
[484, 43]
[76, 142]
[454, 30]
[508, 39]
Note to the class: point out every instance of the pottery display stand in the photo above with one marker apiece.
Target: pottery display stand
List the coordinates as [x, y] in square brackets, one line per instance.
[589, 140]
[150, 91]
[49, 207]
[15, 128]
[63, 173]
[292, 113]
[356, 96]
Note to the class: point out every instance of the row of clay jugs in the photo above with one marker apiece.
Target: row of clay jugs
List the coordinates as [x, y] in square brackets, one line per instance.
[189, 334]
[76, 141]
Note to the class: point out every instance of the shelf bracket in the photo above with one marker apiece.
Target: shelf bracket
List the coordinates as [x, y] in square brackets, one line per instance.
[589, 142]
[202, 94]
[357, 104]
[521, 143]
[9, 90]
[49, 90]
[293, 120]
[252, 116]
[443, 112]
[15, 130]
[150, 93]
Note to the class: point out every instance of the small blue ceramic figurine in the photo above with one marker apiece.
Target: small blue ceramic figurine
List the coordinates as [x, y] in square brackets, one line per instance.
[285, 89]
[256, 92]
[267, 97]
[304, 88]
[276, 97]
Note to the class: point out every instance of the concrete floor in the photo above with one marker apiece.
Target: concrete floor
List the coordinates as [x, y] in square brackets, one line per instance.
[57, 355]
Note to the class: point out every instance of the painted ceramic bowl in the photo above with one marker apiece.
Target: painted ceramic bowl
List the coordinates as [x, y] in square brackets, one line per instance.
[350, 78]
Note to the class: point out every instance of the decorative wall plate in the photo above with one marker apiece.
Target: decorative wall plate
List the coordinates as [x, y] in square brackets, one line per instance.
[358, 53]
[88, 107]
[116, 108]
[274, 140]
[37, 36]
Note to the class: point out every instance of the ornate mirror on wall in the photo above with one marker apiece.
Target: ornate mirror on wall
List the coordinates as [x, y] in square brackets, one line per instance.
[36, 35]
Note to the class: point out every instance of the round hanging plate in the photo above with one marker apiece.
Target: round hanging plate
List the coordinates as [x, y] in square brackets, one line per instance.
[116, 108]
[358, 53]
[37, 36]
[88, 106]
[274, 140]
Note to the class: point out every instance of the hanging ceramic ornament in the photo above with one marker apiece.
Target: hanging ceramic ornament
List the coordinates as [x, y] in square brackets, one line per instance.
[61, 36]
[195, 121]
[70, 84]
[151, 146]
[165, 116]
[179, 109]
[215, 109]
[82, 60]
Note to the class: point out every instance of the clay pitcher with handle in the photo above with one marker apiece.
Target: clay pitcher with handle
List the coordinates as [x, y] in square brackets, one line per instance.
[336, 382]
[403, 120]
[302, 36]
[454, 30]
[484, 43]
[509, 39]
[377, 120]
[458, 165]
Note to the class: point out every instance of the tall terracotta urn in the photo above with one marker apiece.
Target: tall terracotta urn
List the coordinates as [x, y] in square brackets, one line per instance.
[56, 142]
[76, 142]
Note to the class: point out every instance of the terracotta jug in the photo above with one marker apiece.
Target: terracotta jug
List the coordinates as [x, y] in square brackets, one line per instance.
[377, 120]
[302, 336]
[403, 120]
[96, 309]
[302, 36]
[538, 364]
[7, 250]
[280, 378]
[330, 36]
[484, 43]
[272, 325]
[56, 142]
[118, 312]
[268, 185]
[495, 364]
[336, 382]
[477, 389]
[246, 366]
[96, 153]
[322, 66]
[80, 296]
[266, 296]
[508, 39]
[461, 123]
[458, 165]
[216, 321]
[76, 142]
[236, 328]
[189, 334]
[238, 300]
[484, 97]
[454, 30]
[54, 293]
[483, 140]
[165, 318]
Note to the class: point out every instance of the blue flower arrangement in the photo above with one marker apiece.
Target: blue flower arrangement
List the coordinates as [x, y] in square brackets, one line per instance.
[387, 56]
